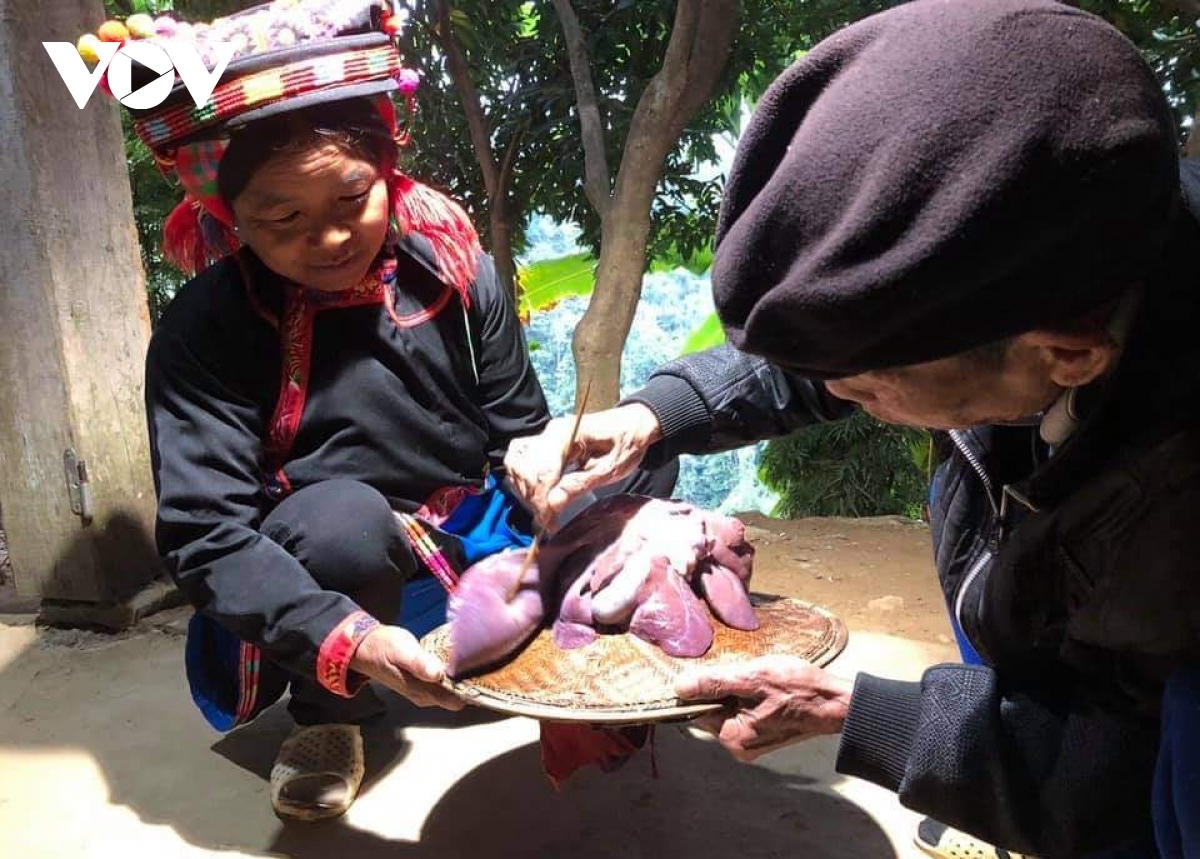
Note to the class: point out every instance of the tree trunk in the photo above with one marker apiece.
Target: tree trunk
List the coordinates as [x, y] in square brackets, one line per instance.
[501, 235]
[1191, 149]
[701, 39]
[73, 298]
[497, 177]
[503, 219]
[600, 336]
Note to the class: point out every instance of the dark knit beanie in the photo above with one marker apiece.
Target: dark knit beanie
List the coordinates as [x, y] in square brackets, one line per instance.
[943, 175]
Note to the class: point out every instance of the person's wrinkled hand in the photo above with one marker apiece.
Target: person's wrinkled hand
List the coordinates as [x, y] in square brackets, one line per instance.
[773, 701]
[609, 446]
[392, 656]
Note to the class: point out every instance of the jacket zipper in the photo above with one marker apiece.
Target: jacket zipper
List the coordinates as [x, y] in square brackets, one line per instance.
[960, 595]
[960, 441]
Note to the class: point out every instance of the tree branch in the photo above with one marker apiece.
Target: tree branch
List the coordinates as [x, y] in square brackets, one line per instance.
[597, 181]
[509, 160]
[698, 51]
[701, 39]
[683, 37]
[456, 64]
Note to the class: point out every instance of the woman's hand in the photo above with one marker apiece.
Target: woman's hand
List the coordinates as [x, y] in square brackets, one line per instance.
[392, 656]
[610, 445]
[776, 701]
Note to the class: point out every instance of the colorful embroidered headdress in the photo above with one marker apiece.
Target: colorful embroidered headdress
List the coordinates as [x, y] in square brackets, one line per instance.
[287, 55]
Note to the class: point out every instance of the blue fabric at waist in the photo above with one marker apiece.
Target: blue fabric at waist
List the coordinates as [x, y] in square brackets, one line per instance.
[483, 525]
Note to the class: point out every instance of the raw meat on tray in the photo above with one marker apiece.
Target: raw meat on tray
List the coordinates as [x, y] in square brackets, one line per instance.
[627, 563]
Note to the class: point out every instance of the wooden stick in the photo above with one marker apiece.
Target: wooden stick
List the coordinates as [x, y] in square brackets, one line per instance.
[566, 460]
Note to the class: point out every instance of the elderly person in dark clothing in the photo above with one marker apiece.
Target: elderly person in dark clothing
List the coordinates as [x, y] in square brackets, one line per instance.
[967, 216]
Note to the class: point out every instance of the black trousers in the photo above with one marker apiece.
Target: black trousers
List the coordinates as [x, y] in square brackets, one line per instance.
[314, 526]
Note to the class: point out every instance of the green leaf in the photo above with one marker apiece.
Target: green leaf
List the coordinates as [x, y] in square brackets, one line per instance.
[853, 467]
[709, 334]
[697, 262]
[527, 17]
[548, 282]
[151, 7]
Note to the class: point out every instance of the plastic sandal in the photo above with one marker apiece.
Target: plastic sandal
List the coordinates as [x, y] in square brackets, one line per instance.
[942, 842]
[318, 772]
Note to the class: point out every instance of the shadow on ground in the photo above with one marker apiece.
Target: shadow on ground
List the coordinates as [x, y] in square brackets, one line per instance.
[253, 746]
[93, 727]
[701, 805]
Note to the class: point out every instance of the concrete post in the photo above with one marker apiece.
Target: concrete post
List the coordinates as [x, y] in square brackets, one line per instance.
[74, 326]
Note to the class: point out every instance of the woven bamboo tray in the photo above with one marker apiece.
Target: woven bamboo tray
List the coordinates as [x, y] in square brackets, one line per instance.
[620, 679]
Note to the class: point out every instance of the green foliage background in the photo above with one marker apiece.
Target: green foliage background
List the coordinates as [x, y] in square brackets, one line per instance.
[853, 467]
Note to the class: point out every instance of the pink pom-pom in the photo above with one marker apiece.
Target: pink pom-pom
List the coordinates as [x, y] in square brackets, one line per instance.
[409, 81]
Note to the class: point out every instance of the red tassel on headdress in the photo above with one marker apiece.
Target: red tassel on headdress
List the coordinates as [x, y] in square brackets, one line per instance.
[193, 240]
[183, 243]
[420, 209]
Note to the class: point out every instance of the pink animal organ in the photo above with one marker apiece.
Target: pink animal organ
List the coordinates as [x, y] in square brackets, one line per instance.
[627, 562]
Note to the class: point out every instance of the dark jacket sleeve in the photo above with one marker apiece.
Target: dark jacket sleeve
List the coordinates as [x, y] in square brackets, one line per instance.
[1044, 769]
[509, 392]
[205, 450]
[1053, 755]
[721, 399]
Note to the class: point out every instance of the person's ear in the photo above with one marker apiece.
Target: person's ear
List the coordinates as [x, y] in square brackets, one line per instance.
[1074, 359]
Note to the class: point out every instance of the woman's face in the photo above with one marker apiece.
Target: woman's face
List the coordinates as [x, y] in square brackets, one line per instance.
[317, 216]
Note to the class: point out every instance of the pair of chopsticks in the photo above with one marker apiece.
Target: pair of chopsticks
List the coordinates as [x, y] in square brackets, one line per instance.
[566, 460]
[427, 550]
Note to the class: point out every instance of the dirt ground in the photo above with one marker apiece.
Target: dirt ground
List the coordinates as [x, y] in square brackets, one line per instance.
[102, 753]
[875, 574]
